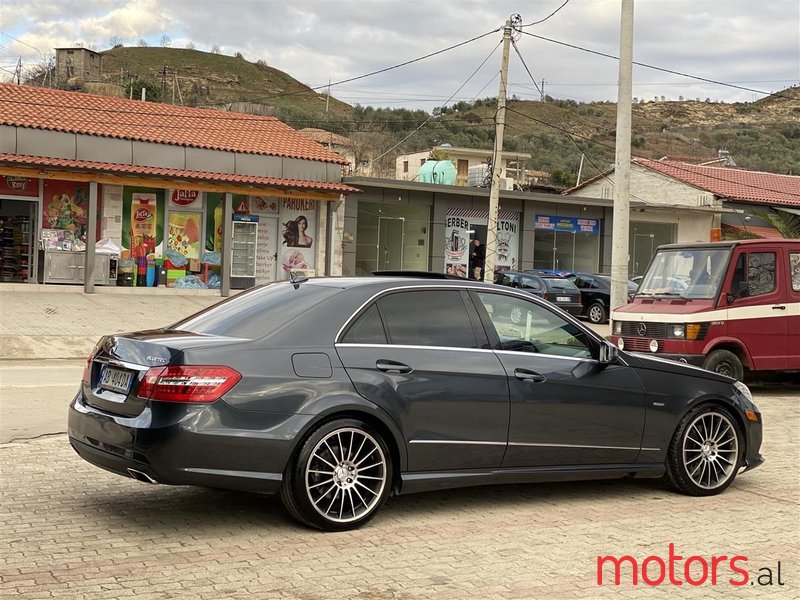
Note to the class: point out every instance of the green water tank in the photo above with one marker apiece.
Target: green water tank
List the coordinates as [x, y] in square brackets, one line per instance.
[437, 171]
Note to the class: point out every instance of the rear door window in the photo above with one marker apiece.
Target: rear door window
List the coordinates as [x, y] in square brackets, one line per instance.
[427, 318]
[367, 329]
[794, 268]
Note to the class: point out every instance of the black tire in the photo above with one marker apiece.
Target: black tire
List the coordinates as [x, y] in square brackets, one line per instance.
[597, 313]
[345, 461]
[698, 464]
[724, 362]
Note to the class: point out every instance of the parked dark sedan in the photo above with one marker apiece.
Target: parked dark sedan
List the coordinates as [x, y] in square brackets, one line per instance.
[596, 295]
[337, 392]
[553, 288]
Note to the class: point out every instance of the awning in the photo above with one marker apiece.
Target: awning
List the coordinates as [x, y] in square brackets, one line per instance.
[794, 211]
[122, 174]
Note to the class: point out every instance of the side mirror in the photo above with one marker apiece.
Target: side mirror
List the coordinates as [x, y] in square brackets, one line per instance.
[609, 354]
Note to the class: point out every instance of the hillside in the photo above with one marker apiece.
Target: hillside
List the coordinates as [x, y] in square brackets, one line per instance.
[762, 135]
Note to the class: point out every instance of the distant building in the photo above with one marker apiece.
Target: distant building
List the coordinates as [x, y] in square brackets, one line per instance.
[344, 146]
[512, 165]
[78, 62]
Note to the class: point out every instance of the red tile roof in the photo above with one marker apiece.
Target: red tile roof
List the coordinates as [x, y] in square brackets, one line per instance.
[194, 176]
[74, 112]
[732, 184]
[768, 233]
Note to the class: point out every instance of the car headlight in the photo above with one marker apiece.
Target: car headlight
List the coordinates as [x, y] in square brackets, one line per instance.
[744, 391]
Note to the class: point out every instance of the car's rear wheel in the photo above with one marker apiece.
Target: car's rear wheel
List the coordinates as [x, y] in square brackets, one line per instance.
[340, 478]
[724, 362]
[597, 313]
[705, 453]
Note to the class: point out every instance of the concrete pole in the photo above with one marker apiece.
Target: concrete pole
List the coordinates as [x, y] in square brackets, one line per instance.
[227, 246]
[497, 161]
[622, 167]
[91, 240]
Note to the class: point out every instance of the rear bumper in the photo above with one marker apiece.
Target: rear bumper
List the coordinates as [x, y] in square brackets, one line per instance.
[186, 445]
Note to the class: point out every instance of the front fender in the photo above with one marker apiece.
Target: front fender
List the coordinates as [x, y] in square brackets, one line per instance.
[718, 342]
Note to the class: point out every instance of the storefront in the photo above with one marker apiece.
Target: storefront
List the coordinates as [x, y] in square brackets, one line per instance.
[19, 212]
[566, 243]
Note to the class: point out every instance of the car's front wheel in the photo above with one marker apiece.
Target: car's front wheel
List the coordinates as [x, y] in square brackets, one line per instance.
[705, 453]
[724, 362]
[340, 478]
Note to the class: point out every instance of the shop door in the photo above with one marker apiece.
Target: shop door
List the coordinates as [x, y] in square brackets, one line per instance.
[267, 250]
[390, 243]
[642, 252]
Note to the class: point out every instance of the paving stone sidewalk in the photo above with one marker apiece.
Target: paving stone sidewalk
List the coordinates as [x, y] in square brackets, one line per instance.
[45, 322]
[70, 530]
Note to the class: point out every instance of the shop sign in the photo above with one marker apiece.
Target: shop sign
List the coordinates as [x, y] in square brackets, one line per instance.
[568, 224]
[298, 224]
[184, 197]
[458, 226]
[20, 186]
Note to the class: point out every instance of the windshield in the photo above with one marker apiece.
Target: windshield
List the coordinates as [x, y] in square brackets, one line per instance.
[560, 284]
[692, 273]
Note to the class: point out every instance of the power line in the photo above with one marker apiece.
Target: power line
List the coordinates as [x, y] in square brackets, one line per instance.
[379, 71]
[485, 60]
[655, 68]
[564, 130]
[548, 16]
[20, 41]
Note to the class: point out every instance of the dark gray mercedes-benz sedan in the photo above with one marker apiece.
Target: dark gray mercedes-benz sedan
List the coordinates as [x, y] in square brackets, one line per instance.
[337, 392]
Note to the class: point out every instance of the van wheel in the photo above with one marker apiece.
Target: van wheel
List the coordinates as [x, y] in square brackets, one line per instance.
[724, 362]
[340, 478]
[597, 313]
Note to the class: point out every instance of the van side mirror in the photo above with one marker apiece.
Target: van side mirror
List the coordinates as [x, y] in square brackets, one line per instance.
[609, 354]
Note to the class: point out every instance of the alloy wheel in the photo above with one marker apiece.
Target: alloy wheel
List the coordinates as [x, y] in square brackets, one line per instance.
[345, 475]
[710, 450]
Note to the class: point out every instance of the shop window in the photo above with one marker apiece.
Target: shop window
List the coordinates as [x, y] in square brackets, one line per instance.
[405, 166]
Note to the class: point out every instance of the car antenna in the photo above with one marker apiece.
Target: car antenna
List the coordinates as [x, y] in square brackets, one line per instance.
[296, 279]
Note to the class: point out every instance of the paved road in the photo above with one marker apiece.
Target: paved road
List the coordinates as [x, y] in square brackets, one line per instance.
[34, 396]
[70, 530]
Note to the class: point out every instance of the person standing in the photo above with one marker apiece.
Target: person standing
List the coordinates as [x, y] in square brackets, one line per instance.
[477, 258]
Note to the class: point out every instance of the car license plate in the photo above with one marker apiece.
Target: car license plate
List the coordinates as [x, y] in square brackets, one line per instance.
[562, 298]
[116, 380]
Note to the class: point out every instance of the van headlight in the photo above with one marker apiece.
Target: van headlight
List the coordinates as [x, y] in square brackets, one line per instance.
[677, 330]
[617, 327]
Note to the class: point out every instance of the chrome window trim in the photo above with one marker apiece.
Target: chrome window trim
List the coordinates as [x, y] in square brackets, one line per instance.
[412, 347]
[501, 290]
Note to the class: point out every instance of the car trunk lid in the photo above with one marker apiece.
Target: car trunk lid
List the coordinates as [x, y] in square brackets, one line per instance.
[117, 366]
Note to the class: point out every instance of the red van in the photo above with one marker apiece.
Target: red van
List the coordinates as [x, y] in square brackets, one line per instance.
[724, 306]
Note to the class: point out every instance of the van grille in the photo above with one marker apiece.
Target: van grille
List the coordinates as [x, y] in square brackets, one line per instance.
[656, 331]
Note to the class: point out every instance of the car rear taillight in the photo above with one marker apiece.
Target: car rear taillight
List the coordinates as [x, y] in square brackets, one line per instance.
[187, 383]
[87, 368]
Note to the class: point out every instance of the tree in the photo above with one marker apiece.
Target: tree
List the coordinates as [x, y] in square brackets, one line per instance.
[153, 93]
[166, 41]
[215, 49]
[190, 45]
[142, 43]
[115, 42]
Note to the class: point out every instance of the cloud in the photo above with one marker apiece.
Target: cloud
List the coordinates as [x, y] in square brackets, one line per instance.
[756, 42]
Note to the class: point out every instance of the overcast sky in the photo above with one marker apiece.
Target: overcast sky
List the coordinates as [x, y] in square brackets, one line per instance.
[750, 43]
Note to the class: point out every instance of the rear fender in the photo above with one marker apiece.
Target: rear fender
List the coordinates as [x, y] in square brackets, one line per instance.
[355, 406]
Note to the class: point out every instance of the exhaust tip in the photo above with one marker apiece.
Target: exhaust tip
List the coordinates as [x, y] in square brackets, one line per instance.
[139, 476]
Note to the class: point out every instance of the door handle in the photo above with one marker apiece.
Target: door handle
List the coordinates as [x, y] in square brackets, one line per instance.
[390, 366]
[779, 307]
[525, 375]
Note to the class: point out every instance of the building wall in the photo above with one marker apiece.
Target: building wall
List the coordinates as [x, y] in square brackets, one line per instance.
[78, 62]
[653, 188]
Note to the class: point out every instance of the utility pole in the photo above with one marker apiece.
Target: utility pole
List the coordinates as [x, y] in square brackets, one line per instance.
[622, 168]
[497, 161]
[543, 96]
[328, 97]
